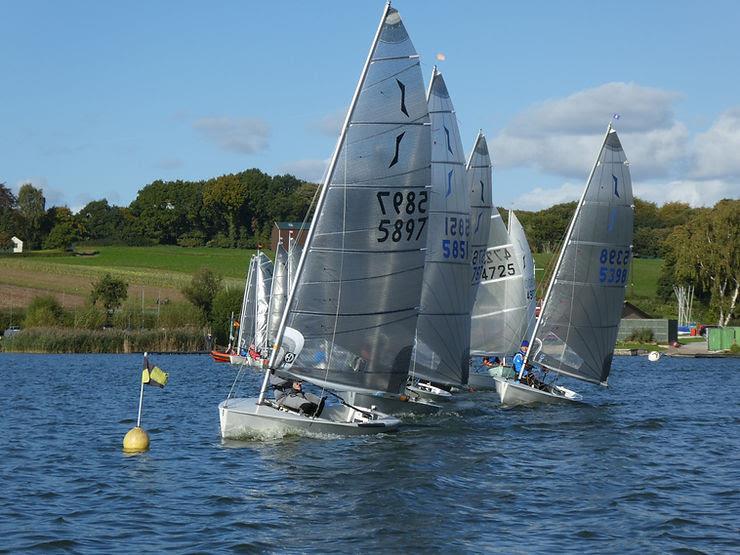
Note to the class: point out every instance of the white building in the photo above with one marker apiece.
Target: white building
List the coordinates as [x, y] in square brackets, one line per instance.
[17, 244]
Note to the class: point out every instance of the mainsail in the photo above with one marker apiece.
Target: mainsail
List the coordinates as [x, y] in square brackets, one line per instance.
[528, 284]
[278, 291]
[358, 283]
[294, 257]
[577, 328]
[493, 331]
[443, 331]
[246, 318]
[479, 179]
[263, 282]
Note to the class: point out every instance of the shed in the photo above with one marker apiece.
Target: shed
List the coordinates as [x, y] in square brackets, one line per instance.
[17, 244]
[632, 312]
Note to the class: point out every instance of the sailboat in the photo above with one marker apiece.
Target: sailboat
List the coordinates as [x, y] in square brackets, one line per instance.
[441, 350]
[223, 354]
[577, 328]
[505, 309]
[253, 343]
[350, 317]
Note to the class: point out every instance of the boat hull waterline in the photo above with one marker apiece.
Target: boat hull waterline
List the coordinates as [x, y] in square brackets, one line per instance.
[512, 393]
[392, 405]
[243, 417]
[486, 381]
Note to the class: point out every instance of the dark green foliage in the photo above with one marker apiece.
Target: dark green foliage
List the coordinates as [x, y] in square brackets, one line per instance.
[110, 291]
[100, 220]
[66, 231]
[202, 290]
[44, 311]
[11, 317]
[227, 301]
[32, 208]
[642, 335]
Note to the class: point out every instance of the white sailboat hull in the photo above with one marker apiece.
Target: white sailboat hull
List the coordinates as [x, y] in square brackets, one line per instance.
[512, 393]
[239, 359]
[428, 392]
[396, 405]
[243, 417]
[486, 381]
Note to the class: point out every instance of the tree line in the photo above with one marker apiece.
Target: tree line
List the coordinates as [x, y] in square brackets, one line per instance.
[234, 210]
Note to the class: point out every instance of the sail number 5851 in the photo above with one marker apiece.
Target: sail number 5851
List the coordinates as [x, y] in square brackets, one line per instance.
[401, 204]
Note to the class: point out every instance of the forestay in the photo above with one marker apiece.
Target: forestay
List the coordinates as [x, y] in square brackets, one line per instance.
[264, 269]
[582, 309]
[500, 302]
[479, 179]
[529, 285]
[246, 318]
[278, 291]
[358, 283]
[443, 331]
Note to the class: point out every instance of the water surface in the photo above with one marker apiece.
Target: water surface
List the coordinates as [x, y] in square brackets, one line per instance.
[651, 466]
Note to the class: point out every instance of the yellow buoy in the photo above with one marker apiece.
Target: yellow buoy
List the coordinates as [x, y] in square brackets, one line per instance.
[135, 440]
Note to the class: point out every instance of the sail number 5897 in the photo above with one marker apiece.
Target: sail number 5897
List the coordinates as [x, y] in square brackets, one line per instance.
[402, 204]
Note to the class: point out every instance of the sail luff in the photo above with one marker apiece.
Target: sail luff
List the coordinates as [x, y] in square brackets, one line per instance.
[325, 187]
[246, 332]
[559, 261]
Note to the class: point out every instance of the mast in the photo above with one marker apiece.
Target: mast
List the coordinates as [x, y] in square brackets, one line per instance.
[320, 202]
[562, 252]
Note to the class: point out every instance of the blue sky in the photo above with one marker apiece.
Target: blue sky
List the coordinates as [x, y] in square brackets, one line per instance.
[97, 99]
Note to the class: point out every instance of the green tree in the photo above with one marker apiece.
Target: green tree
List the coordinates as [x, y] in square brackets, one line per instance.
[101, 220]
[32, 206]
[163, 211]
[202, 289]
[707, 252]
[226, 195]
[227, 302]
[44, 311]
[111, 292]
[66, 231]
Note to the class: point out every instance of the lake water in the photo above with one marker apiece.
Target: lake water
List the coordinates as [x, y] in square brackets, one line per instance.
[652, 466]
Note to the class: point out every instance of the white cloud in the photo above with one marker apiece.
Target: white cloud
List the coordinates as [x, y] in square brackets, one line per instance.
[562, 136]
[309, 170]
[541, 197]
[330, 124]
[717, 151]
[694, 192]
[242, 135]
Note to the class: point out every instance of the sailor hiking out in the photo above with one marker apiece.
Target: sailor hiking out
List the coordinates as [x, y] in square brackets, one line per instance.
[290, 395]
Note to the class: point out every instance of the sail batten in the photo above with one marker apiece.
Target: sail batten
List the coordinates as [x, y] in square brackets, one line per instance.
[358, 282]
[580, 317]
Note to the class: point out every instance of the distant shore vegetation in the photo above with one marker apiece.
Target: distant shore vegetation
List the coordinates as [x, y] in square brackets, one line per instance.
[160, 245]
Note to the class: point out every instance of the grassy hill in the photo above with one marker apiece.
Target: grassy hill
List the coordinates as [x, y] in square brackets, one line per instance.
[151, 272]
[160, 272]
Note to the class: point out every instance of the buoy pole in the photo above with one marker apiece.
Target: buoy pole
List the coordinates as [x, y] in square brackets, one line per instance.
[141, 402]
[136, 439]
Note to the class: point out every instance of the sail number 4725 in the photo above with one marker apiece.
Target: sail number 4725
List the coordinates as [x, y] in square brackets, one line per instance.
[613, 268]
[410, 203]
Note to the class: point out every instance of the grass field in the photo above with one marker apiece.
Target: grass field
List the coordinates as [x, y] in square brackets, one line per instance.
[643, 283]
[161, 271]
[151, 272]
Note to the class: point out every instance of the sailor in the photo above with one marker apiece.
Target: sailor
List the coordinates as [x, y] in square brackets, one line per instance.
[490, 362]
[518, 360]
[290, 394]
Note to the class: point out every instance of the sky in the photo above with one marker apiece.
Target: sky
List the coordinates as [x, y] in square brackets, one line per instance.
[98, 99]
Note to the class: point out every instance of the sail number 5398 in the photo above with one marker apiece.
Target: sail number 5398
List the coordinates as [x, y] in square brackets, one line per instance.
[401, 204]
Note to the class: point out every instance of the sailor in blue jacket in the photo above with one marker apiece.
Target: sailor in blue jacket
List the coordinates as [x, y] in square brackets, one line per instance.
[518, 360]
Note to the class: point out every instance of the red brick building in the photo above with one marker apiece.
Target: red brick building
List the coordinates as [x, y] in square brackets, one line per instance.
[284, 230]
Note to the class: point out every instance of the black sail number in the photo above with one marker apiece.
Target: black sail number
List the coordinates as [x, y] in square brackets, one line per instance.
[402, 204]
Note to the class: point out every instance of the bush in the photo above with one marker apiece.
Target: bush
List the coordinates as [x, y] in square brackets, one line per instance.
[89, 318]
[44, 311]
[202, 289]
[642, 335]
[227, 301]
[130, 316]
[180, 315]
[192, 239]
